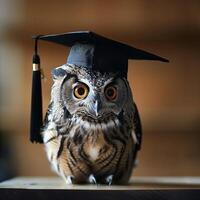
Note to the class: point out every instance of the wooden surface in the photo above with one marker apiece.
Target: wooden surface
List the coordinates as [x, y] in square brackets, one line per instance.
[137, 183]
[155, 188]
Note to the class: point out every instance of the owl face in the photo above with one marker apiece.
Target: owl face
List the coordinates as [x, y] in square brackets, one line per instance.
[91, 94]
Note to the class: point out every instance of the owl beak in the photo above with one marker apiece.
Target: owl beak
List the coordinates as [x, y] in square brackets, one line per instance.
[96, 108]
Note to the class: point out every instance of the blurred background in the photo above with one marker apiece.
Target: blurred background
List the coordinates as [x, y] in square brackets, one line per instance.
[167, 94]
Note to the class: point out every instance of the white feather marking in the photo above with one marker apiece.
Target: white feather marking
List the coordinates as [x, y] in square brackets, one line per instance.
[86, 125]
[51, 125]
[79, 121]
[50, 117]
[116, 121]
[54, 165]
[49, 155]
[111, 124]
[98, 126]
[134, 137]
[72, 131]
[47, 135]
[92, 126]
[93, 153]
[104, 126]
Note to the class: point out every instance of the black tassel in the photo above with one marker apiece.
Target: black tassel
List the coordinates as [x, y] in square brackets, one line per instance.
[36, 100]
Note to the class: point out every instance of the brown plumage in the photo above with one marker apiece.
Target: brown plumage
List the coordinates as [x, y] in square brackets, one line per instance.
[95, 139]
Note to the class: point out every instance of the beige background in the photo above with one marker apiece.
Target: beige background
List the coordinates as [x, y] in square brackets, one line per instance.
[167, 95]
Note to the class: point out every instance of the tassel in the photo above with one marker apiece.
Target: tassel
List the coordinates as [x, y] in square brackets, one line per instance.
[36, 100]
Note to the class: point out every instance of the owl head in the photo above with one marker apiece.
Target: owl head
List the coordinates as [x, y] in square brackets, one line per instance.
[90, 94]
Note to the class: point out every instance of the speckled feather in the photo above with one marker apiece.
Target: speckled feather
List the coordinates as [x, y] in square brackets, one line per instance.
[86, 149]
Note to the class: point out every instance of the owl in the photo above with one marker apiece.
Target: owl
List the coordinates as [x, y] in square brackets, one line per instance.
[92, 130]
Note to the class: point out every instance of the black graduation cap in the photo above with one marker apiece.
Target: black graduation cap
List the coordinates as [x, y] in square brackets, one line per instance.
[88, 50]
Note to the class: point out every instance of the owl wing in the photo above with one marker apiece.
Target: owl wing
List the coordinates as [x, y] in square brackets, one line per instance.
[57, 118]
[47, 116]
[132, 117]
[137, 126]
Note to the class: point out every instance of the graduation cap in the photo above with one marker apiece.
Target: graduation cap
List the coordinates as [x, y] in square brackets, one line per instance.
[88, 50]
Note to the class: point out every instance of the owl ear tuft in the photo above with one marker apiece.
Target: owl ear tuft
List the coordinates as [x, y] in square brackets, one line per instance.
[58, 73]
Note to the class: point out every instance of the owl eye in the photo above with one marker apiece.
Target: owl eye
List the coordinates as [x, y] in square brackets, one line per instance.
[81, 91]
[111, 93]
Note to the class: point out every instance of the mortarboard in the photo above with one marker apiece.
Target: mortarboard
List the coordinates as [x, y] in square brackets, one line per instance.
[88, 50]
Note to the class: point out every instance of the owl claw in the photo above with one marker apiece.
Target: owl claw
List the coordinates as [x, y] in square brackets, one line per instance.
[92, 179]
[109, 180]
[69, 180]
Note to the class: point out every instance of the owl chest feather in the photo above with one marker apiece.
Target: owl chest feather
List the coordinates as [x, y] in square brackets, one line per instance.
[93, 145]
[98, 151]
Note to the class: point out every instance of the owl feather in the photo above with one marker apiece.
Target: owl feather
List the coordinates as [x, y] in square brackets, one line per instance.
[92, 129]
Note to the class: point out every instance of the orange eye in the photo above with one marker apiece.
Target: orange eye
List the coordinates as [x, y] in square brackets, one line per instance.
[81, 91]
[111, 93]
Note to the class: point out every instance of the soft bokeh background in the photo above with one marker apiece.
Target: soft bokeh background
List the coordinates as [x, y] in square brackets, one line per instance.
[167, 95]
